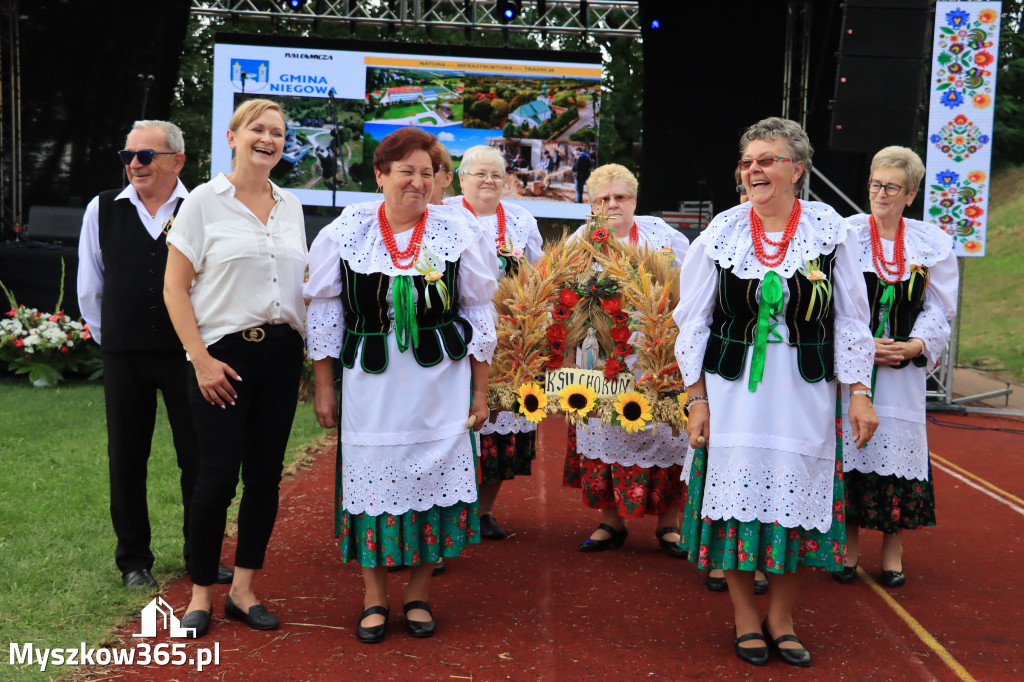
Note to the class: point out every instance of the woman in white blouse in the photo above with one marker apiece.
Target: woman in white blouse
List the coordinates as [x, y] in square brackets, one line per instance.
[772, 315]
[508, 445]
[910, 271]
[401, 292]
[233, 288]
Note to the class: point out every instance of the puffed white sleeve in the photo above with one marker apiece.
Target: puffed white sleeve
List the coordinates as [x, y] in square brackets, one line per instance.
[852, 343]
[932, 324]
[325, 320]
[698, 287]
[680, 245]
[534, 242]
[476, 291]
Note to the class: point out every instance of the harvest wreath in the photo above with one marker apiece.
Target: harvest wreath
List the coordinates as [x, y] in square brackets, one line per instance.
[612, 300]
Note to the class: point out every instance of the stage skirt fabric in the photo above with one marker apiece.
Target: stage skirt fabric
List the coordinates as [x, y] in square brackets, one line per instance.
[503, 456]
[632, 490]
[889, 503]
[411, 538]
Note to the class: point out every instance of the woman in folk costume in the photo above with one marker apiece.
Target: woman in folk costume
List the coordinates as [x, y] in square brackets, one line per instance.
[772, 316]
[508, 445]
[402, 294]
[626, 474]
[911, 275]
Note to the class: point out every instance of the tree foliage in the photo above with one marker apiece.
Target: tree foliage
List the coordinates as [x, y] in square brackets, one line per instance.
[1008, 129]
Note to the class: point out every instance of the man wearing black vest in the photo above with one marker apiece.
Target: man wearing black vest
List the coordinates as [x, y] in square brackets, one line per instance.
[122, 254]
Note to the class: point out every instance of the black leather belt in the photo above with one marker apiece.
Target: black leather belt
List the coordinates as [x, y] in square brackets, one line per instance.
[264, 331]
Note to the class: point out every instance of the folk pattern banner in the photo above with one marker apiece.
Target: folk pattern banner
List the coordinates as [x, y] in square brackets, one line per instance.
[965, 56]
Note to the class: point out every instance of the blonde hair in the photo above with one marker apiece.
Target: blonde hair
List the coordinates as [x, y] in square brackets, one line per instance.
[480, 153]
[444, 165]
[903, 158]
[251, 109]
[610, 172]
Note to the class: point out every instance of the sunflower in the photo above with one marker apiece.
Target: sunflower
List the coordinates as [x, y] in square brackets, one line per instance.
[681, 399]
[577, 399]
[532, 401]
[633, 411]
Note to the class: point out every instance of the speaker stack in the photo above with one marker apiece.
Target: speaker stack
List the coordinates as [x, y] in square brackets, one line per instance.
[882, 74]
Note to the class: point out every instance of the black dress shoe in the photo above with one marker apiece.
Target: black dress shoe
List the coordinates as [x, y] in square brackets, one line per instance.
[258, 618]
[490, 529]
[438, 567]
[893, 578]
[715, 584]
[671, 548]
[224, 575]
[419, 628]
[375, 633]
[760, 586]
[758, 655]
[139, 579]
[801, 658]
[618, 537]
[199, 620]
[845, 576]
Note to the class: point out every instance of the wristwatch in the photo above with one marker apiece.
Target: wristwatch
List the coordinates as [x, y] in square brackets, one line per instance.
[866, 391]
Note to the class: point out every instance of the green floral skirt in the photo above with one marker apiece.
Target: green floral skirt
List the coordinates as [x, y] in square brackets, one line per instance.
[411, 538]
[890, 503]
[503, 456]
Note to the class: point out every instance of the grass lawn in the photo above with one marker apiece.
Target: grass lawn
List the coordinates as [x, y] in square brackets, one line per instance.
[992, 327]
[59, 583]
[403, 111]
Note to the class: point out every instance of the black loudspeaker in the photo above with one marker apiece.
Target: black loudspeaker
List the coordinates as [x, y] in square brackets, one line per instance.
[881, 74]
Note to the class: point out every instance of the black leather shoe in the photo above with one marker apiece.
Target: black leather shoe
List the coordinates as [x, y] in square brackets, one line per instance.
[758, 655]
[845, 576]
[224, 575]
[490, 529]
[373, 634]
[258, 618]
[760, 586]
[438, 567]
[671, 548]
[801, 658]
[893, 578]
[618, 537]
[140, 579]
[199, 620]
[716, 584]
[419, 628]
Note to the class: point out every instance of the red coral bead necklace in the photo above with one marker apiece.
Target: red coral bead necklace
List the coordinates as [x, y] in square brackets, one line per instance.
[500, 241]
[413, 250]
[782, 246]
[634, 234]
[886, 268]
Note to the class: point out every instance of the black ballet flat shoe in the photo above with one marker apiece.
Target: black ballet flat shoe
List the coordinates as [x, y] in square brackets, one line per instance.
[490, 529]
[800, 658]
[438, 567]
[198, 621]
[375, 633]
[418, 628]
[760, 586]
[845, 576]
[716, 584]
[893, 578]
[618, 537]
[671, 548]
[257, 618]
[758, 655]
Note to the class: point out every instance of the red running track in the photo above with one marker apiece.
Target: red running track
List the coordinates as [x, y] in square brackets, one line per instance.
[534, 608]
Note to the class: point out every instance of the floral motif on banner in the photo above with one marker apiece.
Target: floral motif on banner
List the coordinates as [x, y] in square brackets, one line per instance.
[956, 206]
[965, 50]
[959, 138]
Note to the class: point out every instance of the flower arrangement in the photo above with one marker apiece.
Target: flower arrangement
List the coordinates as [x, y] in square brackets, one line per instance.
[46, 345]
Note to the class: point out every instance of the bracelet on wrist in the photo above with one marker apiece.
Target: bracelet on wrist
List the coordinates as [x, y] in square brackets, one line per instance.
[698, 401]
[695, 397]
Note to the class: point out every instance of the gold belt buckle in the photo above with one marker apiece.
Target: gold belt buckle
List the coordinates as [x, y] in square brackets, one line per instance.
[254, 334]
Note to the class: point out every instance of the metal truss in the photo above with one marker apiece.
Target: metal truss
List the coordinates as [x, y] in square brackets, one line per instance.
[572, 17]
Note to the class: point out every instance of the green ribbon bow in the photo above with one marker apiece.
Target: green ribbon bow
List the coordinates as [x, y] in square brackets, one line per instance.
[769, 306]
[888, 296]
[405, 313]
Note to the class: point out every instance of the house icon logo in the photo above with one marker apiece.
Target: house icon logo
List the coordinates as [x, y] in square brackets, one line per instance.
[158, 609]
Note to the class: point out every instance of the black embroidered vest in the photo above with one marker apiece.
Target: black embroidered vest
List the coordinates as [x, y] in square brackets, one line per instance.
[365, 298]
[734, 323]
[906, 306]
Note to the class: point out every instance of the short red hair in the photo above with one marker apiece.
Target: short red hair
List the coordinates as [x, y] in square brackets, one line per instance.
[399, 144]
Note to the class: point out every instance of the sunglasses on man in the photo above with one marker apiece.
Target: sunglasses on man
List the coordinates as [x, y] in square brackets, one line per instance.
[145, 156]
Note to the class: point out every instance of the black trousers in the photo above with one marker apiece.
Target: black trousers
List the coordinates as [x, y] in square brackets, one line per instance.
[250, 435]
[130, 383]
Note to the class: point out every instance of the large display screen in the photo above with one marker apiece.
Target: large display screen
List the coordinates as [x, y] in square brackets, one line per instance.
[539, 109]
